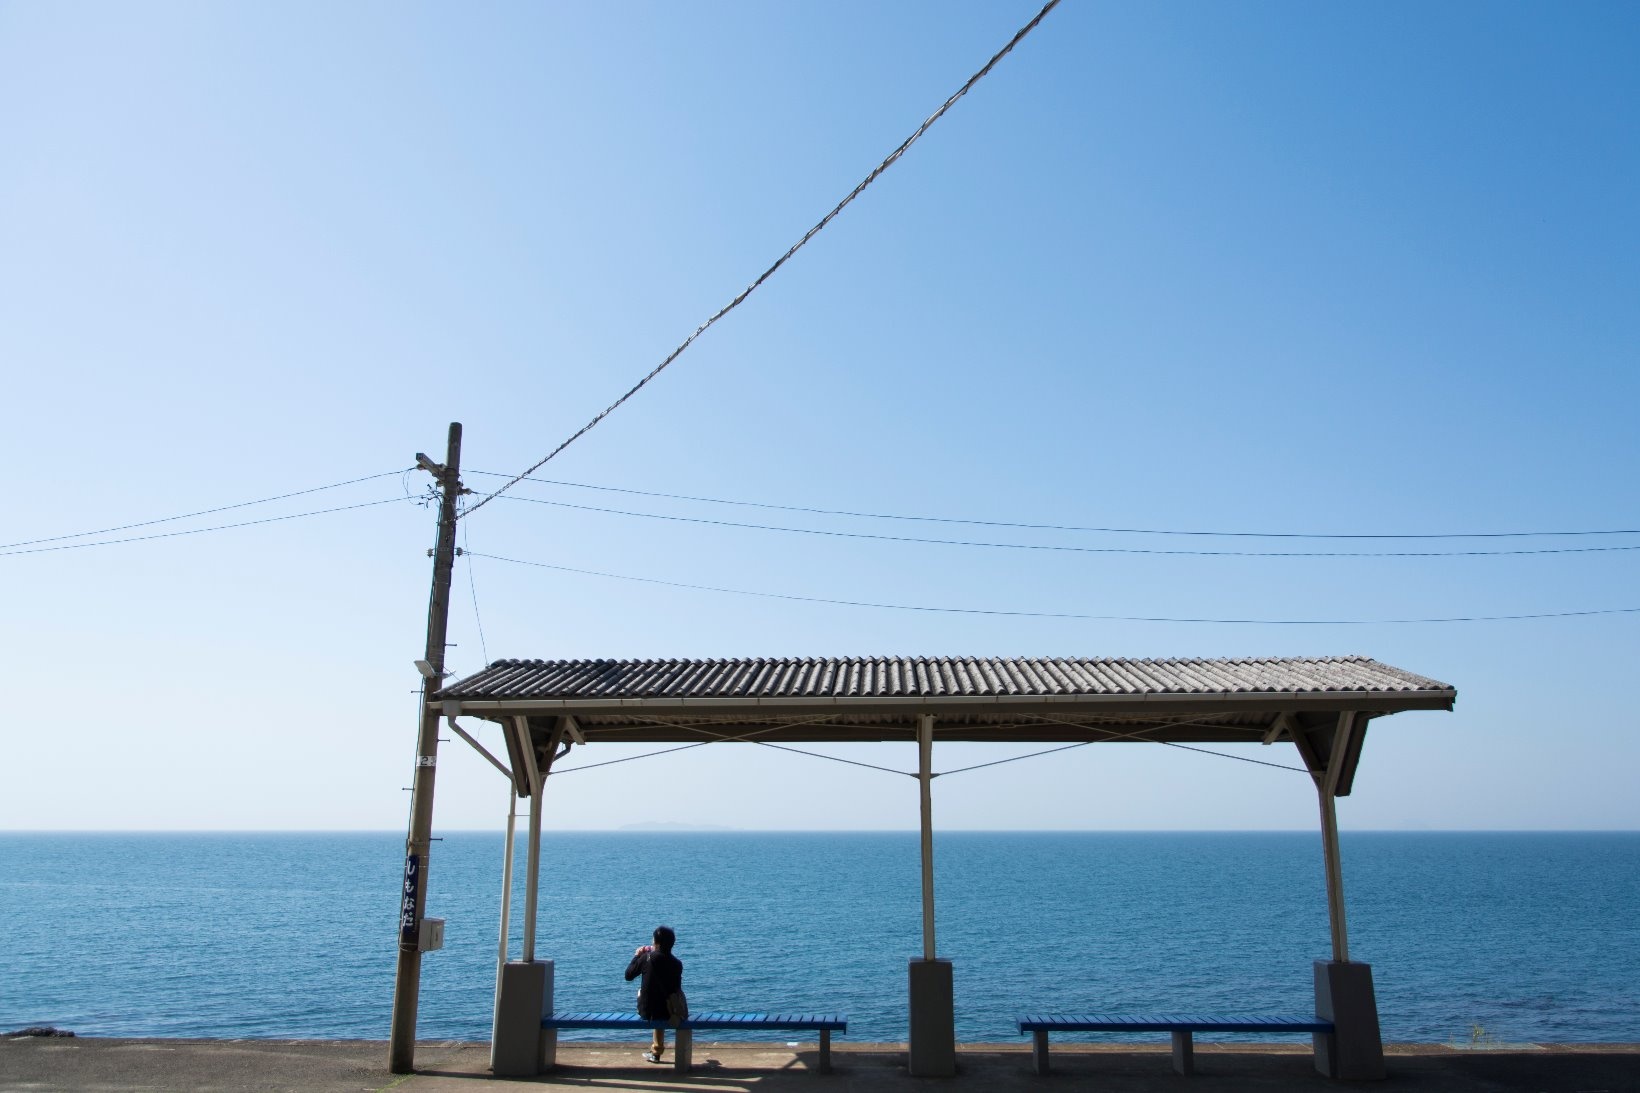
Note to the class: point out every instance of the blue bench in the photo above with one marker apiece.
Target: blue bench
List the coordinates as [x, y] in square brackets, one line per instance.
[683, 1046]
[1181, 1025]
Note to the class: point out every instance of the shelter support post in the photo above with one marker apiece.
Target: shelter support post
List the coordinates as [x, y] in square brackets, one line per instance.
[519, 1046]
[925, 778]
[933, 1040]
[532, 863]
[1343, 988]
[504, 947]
[1327, 788]
[1354, 1050]
[1335, 879]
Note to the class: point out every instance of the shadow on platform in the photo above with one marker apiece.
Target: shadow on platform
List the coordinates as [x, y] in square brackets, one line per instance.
[352, 1066]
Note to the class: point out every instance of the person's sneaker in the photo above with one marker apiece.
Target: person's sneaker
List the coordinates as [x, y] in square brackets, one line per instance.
[651, 1057]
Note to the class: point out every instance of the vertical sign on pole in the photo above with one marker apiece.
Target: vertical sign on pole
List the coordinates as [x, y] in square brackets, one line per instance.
[409, 911]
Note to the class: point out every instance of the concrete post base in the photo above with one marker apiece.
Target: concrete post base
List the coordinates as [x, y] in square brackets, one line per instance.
[933, 1020]
[683, 1049]
[1344, 996]
[519, 1046]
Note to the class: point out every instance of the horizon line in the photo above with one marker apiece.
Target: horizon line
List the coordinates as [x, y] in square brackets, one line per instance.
[663, 829]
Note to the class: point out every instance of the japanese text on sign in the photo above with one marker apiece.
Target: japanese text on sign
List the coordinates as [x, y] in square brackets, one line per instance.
[409, 912]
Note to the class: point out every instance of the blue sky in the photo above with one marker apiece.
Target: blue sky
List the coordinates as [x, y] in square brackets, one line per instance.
[1351, 268]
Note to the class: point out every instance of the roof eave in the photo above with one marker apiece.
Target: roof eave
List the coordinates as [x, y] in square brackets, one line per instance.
[1377, 701]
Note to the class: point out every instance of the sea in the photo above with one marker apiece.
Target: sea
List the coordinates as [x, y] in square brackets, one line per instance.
[1472, 937]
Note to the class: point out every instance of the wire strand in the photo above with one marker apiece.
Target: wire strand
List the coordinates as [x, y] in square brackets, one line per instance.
[199, 531]
[834, 758]
[751, 738]
[1069, 527]
[1016, 758]
[1175, 744]
[632, 758]
[782, 260]
[1137, 735]
[717, 738]
[1075, 616]
[1071, 549]
[1085, 743]
[1227, 755]
[203, 512]
[1113, 735]
[472, 584]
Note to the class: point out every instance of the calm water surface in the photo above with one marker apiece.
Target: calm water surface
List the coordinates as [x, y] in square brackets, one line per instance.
[1527, 936]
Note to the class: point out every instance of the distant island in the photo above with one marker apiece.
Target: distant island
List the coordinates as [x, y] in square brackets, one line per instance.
[670, 825]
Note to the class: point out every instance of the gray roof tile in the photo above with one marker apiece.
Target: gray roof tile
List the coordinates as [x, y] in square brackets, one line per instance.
[931, 677]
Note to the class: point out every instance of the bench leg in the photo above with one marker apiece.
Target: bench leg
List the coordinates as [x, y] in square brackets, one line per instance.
[683, 1050]
[1184, 1052]
[824, 1066]
[1039, 1050]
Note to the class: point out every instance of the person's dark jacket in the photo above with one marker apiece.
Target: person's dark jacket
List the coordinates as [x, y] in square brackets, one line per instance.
[662, 977]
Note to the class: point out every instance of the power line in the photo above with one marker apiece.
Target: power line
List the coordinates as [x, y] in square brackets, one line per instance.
[1062, 614]
[1074, 527]
[795, 247]
[202, 512]
[197, 531]
[1064, 548]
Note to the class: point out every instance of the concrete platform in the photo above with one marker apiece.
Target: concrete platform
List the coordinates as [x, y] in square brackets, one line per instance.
[94, 1065]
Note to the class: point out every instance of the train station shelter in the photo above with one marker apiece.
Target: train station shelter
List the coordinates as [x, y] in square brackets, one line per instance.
[1321, 706]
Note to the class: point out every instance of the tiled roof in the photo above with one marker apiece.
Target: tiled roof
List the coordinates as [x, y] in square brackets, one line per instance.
[931, 677]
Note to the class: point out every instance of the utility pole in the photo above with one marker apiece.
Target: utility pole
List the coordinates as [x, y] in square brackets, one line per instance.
[401, 1046]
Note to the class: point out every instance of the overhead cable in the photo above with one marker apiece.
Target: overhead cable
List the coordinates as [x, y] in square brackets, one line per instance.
[1064, 548]
[1063, 614]
[201, 512]
[1074, 527]
[766, 274]
[197, 531]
